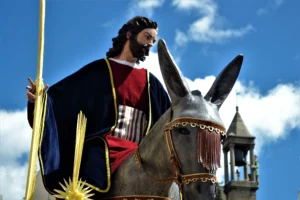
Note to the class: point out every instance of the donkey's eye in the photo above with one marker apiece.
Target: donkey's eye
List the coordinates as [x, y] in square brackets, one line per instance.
[183, 131]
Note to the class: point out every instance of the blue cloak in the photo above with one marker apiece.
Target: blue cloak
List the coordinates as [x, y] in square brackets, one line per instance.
[90, 90]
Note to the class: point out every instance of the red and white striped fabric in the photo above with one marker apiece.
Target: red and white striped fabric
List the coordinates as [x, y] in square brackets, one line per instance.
[132, 124]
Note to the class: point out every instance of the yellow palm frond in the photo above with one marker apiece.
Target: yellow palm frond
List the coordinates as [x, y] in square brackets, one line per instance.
[75, 189]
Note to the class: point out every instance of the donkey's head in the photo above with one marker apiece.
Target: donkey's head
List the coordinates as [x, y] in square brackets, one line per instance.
[196, 129]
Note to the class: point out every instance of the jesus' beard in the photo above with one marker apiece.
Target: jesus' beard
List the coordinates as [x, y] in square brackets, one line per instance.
[138, 50]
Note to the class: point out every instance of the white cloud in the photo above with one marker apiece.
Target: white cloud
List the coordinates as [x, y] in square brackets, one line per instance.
[272, 116]
[211, 35]
[207, 7]
[13, 181]
[146, 7]
[271, 6]
[14, 133]
[15, 140]
[206, 28]
[181, 38]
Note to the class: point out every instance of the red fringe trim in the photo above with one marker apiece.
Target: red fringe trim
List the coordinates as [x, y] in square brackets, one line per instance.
[209, 149]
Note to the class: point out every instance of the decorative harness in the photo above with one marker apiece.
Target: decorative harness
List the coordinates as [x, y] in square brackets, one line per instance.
[210, 161]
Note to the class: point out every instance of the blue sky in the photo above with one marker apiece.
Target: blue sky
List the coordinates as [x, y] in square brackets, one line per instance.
[203, 36]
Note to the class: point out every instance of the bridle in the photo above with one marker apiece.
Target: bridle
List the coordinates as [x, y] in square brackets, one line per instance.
[178, 177]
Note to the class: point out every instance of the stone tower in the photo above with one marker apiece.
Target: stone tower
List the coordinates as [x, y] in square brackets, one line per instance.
[238, 143]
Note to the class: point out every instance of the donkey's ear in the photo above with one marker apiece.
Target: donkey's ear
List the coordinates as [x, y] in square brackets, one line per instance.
[224, 82]
[173, 79]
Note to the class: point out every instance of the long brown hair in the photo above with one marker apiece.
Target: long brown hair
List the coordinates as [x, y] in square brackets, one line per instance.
[134, 26]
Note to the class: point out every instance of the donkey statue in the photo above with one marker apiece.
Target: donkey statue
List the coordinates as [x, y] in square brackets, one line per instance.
[184, 146]
[179, 157]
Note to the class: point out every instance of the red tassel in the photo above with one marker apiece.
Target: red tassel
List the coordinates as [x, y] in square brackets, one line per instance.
[209, 149]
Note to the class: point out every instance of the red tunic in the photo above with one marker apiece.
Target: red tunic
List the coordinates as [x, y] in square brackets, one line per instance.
[130, 84]
[132, 94]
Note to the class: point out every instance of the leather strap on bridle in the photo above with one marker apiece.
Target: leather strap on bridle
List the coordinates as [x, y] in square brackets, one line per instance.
[175, 162]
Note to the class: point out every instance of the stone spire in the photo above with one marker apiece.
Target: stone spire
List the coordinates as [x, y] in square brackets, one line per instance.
[238, 127]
